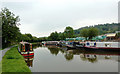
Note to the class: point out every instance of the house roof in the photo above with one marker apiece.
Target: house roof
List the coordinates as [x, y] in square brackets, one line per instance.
[111, 35]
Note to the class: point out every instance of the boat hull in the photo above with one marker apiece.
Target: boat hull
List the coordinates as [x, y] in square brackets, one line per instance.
[103, 48]
[27, 54]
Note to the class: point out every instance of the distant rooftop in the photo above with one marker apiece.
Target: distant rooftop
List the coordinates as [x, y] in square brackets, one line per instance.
[110, 34]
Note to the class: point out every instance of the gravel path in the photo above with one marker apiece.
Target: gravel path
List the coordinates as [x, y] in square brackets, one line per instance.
[2, 52]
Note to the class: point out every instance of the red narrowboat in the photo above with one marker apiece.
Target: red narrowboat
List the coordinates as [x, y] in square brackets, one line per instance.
[26, 49]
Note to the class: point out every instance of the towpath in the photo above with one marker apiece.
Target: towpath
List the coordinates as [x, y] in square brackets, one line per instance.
[2, 52]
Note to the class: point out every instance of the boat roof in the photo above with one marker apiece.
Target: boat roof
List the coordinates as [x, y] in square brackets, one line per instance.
[24, 43]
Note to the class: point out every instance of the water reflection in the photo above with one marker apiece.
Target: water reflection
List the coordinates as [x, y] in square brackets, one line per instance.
[54, 49]
[63, 60]
[91, 56]
[36, 46]
[69, 56]
[29, 60]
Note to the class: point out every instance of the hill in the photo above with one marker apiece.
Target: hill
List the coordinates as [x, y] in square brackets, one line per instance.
[103, 28]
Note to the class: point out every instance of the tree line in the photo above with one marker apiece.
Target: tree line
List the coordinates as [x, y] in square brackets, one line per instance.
[103, 28]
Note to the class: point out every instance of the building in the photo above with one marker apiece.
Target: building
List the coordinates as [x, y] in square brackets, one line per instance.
[110, 36]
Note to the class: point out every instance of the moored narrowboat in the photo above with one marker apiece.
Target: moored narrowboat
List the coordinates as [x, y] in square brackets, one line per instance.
[25, 49]
[74, 45]
[103, 46]
[50, 42]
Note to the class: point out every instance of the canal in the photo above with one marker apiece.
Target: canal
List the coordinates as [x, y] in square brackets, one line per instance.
[56, 59]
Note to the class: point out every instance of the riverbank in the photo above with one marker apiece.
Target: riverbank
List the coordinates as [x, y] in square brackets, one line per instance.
[1, 49]
[12, 61]
[0, 67]
[36, 43]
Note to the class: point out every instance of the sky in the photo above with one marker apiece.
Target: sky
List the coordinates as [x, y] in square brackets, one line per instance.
[41, 17]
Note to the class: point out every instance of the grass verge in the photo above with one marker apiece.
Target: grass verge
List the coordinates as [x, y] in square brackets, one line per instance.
[14, 62]
[1, 49]
[0, 67]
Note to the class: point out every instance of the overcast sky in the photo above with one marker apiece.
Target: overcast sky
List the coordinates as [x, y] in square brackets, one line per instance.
[41, 17]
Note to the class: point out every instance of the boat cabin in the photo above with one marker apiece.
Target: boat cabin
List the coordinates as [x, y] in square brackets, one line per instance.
[25, 46]
[26, 49]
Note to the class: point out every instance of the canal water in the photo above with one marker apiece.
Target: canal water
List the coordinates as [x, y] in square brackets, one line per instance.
[57, 59]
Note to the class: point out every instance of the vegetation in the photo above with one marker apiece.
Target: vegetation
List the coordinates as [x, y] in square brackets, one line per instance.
[89, 33]
[118, 35]
[92, 32]
[102, 28]
[1, 49]
[69, 33]
[14, 62]
[0, 67]
[10, 31]
[61, 36]
[53, 36]
[84, 33]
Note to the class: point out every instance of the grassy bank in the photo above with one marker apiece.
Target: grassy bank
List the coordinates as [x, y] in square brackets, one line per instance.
[0, 67]
[36, 43]
[1, 49]
[14, 62]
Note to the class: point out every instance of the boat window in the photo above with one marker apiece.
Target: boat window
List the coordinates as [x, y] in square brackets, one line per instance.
[88, 43]
[27, 47]
[87, 55]
[21, 47]
[31, 48]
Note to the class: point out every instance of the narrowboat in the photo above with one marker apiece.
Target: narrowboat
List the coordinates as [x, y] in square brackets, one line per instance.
[62, 44]
[70, 45]
[74, 45]
[79, 45]
[50, 42]
[102, 46]
[25, 49]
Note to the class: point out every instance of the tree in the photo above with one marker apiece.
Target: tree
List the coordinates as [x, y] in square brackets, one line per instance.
[103, 28]
[69, 33]
[10, 30]
[89, 33]
[92, 32]
[25, 38]
[84, 33]
[54, 36]
[34, 39]
[61, 36]
[118, 35]
[30, 37]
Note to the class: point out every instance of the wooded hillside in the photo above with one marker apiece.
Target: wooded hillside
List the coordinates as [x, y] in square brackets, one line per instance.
[103, 28]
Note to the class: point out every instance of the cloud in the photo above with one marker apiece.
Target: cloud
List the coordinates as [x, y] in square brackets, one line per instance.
[41, 17]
